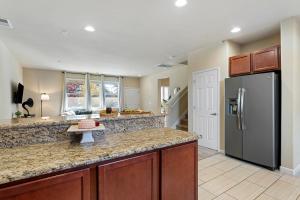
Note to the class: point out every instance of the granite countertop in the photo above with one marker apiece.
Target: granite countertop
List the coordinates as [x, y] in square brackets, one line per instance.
[34, 160]
[69, 120]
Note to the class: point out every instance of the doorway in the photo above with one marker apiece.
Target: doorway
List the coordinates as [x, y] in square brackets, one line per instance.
[163, 93]
[206, 107]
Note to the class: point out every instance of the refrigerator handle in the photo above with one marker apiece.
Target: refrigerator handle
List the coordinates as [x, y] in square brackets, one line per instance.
[239, 110]
[242, 118]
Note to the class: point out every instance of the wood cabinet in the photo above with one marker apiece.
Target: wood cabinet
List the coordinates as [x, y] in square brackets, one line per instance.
[240, 65]
[266, 60]
[135, 178]
[179, 173]
[69, 186]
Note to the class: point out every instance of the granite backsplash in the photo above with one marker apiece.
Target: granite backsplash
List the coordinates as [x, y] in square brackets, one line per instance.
[54, 130]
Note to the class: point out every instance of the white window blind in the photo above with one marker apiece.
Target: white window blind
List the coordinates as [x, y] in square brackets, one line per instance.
[96, 92]
[111, 92]
[76, 93]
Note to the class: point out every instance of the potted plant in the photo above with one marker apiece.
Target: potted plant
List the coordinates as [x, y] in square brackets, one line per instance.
[18, 114]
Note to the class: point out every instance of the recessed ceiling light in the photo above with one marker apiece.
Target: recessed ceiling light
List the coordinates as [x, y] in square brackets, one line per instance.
[89, 28]
[180, 3]
[235, 29]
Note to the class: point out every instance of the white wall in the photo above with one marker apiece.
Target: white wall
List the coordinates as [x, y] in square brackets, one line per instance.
[261, 44]
[38, 81]
[10, 76]
[149, 86]
[290, 61]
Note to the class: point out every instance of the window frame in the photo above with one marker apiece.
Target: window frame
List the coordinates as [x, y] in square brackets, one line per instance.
[88, 96]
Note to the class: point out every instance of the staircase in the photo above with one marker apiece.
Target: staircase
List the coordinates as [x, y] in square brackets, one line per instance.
[183, 124]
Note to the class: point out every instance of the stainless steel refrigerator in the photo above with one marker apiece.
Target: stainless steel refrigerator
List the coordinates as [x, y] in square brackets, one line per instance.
[252, 118]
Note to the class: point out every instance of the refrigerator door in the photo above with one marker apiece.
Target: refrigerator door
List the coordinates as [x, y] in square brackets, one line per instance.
[260, 108]
[233, 132]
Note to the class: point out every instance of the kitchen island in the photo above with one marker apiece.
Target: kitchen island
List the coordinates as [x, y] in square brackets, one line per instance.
[148, 164]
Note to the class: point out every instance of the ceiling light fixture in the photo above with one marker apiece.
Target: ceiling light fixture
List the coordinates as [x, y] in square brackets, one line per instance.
[89, 28]
[180, 3]
[235, 29]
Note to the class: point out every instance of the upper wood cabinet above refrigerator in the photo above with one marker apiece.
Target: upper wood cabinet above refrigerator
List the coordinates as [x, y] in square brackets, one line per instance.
[240, 65]
[265, 60]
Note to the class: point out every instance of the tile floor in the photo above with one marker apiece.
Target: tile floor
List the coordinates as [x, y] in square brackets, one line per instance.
[205, 153]
[224, 178]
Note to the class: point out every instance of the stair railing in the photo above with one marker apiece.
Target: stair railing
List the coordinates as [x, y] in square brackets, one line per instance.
[176, 107]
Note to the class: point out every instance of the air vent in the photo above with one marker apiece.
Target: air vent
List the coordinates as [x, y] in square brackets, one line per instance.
[165, 65]
[5, 23]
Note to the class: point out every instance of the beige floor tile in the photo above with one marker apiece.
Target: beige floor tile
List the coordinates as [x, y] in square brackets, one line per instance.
[200, 182]
[227, 165]
[251, 167]
[202, 164]
[282, 190]
[245, 191]
[239, 174]
[204, 195]
[224, 197]
[221, 157]
[205, 153]
[219, 185]
[264, 197]
[263, 178]
[294, 180]
[209, 173]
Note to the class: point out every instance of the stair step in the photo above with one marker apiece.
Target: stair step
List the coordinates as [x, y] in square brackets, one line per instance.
[182, 127]
[184, 121]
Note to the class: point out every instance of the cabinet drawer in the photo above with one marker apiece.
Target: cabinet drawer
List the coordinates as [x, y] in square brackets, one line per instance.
[239, 65]
[69, 186]
[266, 60]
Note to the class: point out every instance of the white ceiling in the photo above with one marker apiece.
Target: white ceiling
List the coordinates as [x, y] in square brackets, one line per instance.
[132, 36]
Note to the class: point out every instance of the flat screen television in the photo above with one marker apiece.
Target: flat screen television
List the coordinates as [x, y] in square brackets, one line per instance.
[19, 94]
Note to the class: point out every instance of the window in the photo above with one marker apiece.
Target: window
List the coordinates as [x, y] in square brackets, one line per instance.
[76, 98]
[91, 92]
[164, 93]
[111, 94]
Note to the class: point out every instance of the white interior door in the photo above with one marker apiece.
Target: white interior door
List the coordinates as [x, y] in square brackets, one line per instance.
[132, 98]
[206, 107]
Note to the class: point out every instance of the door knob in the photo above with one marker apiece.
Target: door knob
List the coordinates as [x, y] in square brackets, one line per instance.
[214, 114]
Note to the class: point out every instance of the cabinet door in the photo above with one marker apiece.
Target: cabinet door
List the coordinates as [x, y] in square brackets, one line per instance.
[179, 173]
[239, 65]
[135, 178]
[70, 186]
[266, 60]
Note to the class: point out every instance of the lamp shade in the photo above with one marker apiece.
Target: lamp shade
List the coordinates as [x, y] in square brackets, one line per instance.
[45, 97]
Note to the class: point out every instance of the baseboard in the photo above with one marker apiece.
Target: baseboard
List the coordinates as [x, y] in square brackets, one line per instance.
[297, 171]
[286, 170]
[294, 172]
[221, 151]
